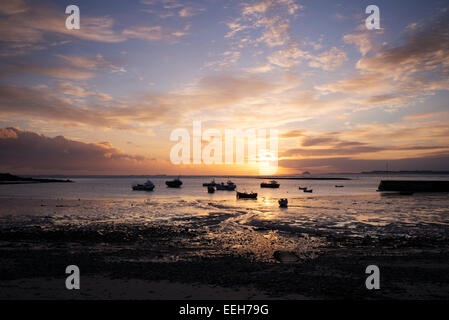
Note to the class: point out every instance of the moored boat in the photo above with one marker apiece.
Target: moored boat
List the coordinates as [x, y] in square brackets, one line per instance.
[283, 203]
[307, 190]
[246, 195]
[271, 184]
[210, 184]
[229, 186]
[176, 183]
[147, 186]
[302, 188]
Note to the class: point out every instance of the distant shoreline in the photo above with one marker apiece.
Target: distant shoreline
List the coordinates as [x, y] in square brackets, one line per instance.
[405, 172]
[7, 178]
[320, 176]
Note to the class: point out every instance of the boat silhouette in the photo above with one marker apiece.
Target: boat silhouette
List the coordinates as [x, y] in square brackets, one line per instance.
[271, 184]
[246, 195]
[176, 183]
[283, 202]
[210, 184]
[229, 186]
[147, 186]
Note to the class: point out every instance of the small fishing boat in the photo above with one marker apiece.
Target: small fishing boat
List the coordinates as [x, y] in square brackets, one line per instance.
[271, 184]
[147, 186]
[246, 195]
[339, 186]
[308, 190]
[283, 203]
[210, 184]
[176, 183]
[210, 189]
[229, 186]
[302, 188]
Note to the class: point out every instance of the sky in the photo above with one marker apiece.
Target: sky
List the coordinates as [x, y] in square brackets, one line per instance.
[105, 98]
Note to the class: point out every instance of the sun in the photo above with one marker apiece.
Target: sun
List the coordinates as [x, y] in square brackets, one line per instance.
[267, 163]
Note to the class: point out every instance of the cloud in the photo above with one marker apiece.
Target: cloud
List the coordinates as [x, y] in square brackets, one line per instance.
[168, 8]
[270, 17]
[375, 141]
[313, 141]
[8, 133]
[27, 25]
[330, 152]
[189, 12]
[266, 67]
[291, 55]
[44, 103]
[345, 164]
[420, 116]
[222, 93]
[13, 7]
[329, 145]
[153, 33]
[62, 72]
[256, 8]
[287, 57]
[312, 103]
[66, 67]
[26, 151]
[227, 59]
[276, 31]
[292, 134]
[72, 89]
[397, 76]
[361, 40]
[404, 146]
[367, 83]
[259, 7]
[426, 49]
[97, 62]
[328, 60]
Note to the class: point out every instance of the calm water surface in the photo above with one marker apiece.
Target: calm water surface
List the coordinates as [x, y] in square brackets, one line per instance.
[120, 188]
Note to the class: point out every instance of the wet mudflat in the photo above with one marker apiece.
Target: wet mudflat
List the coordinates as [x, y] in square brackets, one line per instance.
[318, 248]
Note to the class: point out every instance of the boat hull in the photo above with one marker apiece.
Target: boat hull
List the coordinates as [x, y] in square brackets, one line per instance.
[173, 184]
[242, 195]
[270, 185]
[142, 188]
[225, 188]
[209, 184]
